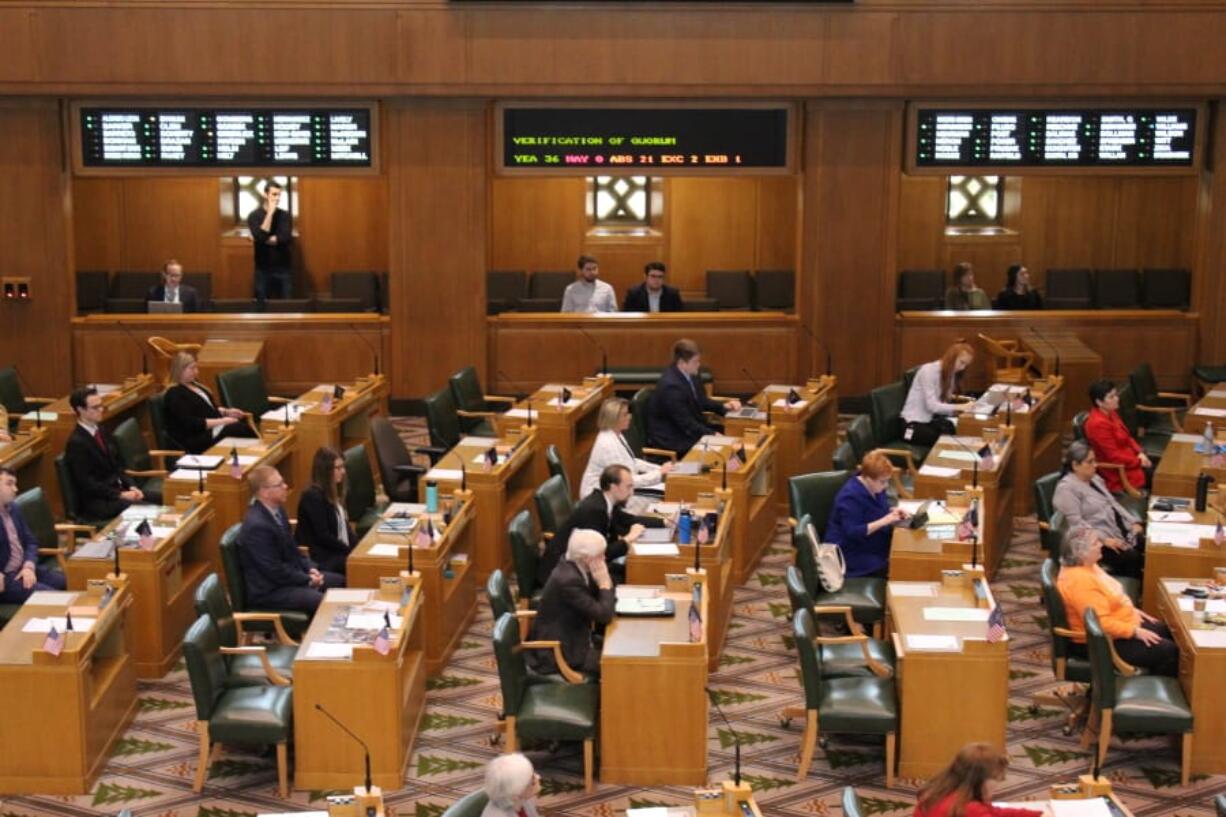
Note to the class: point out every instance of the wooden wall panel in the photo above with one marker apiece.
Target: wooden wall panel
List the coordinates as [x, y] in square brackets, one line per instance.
[536, 223]
[342, 225]
[97, 224]
[778, 215]
[1209, 288]
[171, 218]
[712, 225]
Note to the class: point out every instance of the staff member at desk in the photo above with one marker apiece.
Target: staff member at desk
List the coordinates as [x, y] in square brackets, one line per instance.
[172, 290]
[862, 521]
[1017, 293]
[1139, 638]
[653, 295]
[579, 593]
[92, 459]
[1112, 441]
[1083, 498]
[611, 448]
[193, 418]
[965, 787]
[20, 573]
[964, 295]
[929, 402]
[589, 293]
[278, 576]
[675, 411]
[323, 524]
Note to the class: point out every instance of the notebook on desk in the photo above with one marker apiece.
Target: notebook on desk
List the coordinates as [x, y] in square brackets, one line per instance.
[645, 607]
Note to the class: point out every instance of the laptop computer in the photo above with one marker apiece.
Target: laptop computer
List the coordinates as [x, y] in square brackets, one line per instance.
[163, 308]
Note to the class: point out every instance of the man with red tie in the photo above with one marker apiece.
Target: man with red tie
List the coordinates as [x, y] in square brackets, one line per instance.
[94, 466]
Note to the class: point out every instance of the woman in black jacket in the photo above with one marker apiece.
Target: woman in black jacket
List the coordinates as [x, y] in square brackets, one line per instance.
[193, 418]
[323, 524]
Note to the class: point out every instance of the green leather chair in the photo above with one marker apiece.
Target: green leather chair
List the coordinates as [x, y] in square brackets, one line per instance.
[443, 419]
[636, 434]
[14, 399]
[1152, 435]
[885, 403]
[396, 464]
[1051, 534]
[812, 495]
[1156, 407]
[1079, 425]
[857, 706]
[250, 665]
[553, 460]
[1044, 490]
[860, 436]
[68, 493]
[56, 542]
[568, 711]
[865, 596]
[293, 622]
[852, 656]
[157, 419]
[470, 805]
[1123, 701]
[251, 715]
[361, 503]
[147, 468]
[851, 803]
[476, 408]
[525, 539]
[553, 504]
[844, 457]
[243, 388]
[1066, 663]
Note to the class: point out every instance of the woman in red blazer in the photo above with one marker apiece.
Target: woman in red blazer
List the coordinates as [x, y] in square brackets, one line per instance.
[964, 788]
[1111, 440]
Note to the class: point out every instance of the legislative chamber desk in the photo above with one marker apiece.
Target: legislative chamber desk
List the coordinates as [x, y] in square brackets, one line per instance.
[499, 491]
[24, 456]
[1180, 466]
[1209, 409]
[649, 564]
[920, 555]
[936, 479]
[1061, 352]
[807, 430]
[571, 428]
[937, 656]
[1037, 431]
[219, 355]
[653, 704]
[62, 713]
[162, 578]
[444, 568]
[752, 486]
[1185, 549]
[380, 697]
[1202, 666]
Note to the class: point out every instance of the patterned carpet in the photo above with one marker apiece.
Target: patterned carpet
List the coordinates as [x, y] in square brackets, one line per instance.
[152, 765]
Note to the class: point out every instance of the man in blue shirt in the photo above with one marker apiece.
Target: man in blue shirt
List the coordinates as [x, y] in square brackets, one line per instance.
[20, 574]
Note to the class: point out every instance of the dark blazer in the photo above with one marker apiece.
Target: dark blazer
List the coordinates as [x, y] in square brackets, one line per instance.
[187, 296]
[1009, 299]
[97, 475]
[26, 536]
[267, 552]
[592, 514]
[675, 412]
[318, 530]
[186, 413]
[570, 604]
[636, 299]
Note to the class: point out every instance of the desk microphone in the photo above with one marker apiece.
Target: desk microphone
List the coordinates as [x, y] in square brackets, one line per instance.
[736, 739]
[829, 357]
[1050, 345]
[38, 410]
[604, 356]
[975, 462]
[972, 519]
[374, 352]
[758, 386]
[463, 476]
[347, 731]
[144, 360]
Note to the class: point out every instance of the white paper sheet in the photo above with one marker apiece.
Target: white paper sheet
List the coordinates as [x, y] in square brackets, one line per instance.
[483, 441]
[1093, 807]
[240, 442]
[51, 598]
[640, 605]
[384, 549]
[718, 439]
[1185, 438]
[44, 625]
[783, 403]
[321, 649]
[664, 508]
[519, 413]
[441, 474]
[187, 474]
[1178, 535]
[248, 459]
[656, 550]
[44, 416]
[955, 614]
[407, 508]
[1209, 412]
[480, 459]
[962, 456]
[913, 589]
[136, 512]
[939, 471]
[1169, 516]
[369, 621]
[348, 596]
[937, 643]
[206, 462]
[1209, 638]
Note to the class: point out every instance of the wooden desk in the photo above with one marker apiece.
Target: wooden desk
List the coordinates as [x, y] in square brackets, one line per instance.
[653, 704]
[380, 697]
[25, 456]
[1200, 414]
[753, 493]
[218, 355]
[1164, 559]
[571, 428]
[998, 485]
[163, 582]
[715, 559]
[916, 556]
[1180, 466]
[807, 432]
[498, 493]
[978, 670]
[1202, 665]
[1037, 437]
[444, 571]
[1061, 349]
[62, 714]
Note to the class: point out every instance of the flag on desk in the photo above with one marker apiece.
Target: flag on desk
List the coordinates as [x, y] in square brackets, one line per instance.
[968, 528]
[146, 535]
[54, 642]
[986, 459]
[564, 396]
[996, 625]
[737, 459]
[425, 534]
[1219, 534]
[236, 470]
[383, 642]
[704, 535]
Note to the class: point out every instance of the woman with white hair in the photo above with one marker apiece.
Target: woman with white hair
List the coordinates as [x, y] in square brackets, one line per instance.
[611, 448]
[511, 784]
[578, 594]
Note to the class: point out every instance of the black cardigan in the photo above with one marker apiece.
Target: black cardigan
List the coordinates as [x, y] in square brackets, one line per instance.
[319, 531]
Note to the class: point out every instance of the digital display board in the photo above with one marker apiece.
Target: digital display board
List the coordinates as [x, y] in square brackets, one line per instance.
[648, 138]
[225, 138]
[1002, 138]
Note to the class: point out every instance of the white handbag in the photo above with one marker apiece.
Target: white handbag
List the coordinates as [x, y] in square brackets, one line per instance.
[831, 568]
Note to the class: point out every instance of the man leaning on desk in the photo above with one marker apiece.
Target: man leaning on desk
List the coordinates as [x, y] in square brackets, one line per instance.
[20, 574]
[675, 418]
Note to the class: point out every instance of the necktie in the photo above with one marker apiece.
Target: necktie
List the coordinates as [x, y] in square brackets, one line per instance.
[693, 391]
[101, 442]
[16, 555]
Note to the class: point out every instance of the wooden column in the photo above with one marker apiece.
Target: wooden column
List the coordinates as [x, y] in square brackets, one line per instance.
[1208, 288]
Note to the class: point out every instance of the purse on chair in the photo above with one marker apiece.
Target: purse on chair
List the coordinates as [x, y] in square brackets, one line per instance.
[831, 569]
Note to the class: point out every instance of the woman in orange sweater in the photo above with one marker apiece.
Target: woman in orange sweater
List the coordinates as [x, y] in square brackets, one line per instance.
[1139, 638]
[964, 788]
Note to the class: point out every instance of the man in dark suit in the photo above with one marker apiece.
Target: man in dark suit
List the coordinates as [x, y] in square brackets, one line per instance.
[172, 290]
[278, 576]
[675, 412]
[579, 594]
[94, 466]
[653, 295]
[20, 573]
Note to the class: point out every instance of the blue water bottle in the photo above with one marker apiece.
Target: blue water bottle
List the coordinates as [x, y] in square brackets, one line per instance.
[431, 497]
[685, 525]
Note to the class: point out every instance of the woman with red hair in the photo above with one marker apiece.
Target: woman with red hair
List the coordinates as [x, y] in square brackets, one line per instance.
[964, 788]
[862, 521]
[930, 402]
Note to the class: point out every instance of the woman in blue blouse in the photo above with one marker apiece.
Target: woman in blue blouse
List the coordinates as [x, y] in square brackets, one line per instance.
[862, 521]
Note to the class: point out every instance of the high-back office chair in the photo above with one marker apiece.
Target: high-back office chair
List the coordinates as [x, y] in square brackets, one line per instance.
[851, 803]
[732, 289]
[1079, 433]
[1151, 426]
[844, 457]
[289, 305]
[864, 595]
[140, 461]
[920, 290]
[164, 351]
[545, 290]
[812, 495]
[235, 305]
[161, 436]
[553, 460]
[359, 285]
[245, 664]
[1044, 490]
[855, 655]
[92, 287]
[636, 434]
[524, 537]
[1158, 409]
[1007, 362]
[396, 465]
[1069, 289]
[504, 289]
[1066, 664]
[202, 282]
[470, 805]
[475, 408]
[885, 404]
[361, 503]
[775, 289]
[1166, 288]
[128, 290]
[1117, 289]
[553, 504]
[14, 399]
[56, 542]
[68, 493]
[860, 438]
[243, 388]
[442, 419]
[291, 623]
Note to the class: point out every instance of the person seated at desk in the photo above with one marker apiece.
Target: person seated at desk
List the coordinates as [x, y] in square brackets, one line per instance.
[578, 594]
[589, 293]
[611, 448]
[172, 290]
[1083, 498]
[92, 459]
[511, 787]
[1017, 293]
[929, 403]
[1139, 638]
[861, 519]
[965, 787]
[675, 411]
[20, 573]
[1112, 441]
[278, 576]
[964, 295]
[193, 418]
[5, 436]
[323, 525]
[653, 295]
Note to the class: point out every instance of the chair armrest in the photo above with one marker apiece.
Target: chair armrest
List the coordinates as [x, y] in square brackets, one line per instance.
[157, 472]
[159, 452]
[524, 617]
[547, 535]
[1174, 395]
[1043, 525]
[901, 452]
[276, 678]
[896, 480]
[277, 626]
[875, 666]
[474, 414]
[498, 398]
[1171, 411]
[660, 452]
[42, 401]
[432, 451]
[1121, 666]
[564, 668]
[60, 554]
[837, 609]
[410, 469]
[1128, 489]
[1065, 632]
[280, 400]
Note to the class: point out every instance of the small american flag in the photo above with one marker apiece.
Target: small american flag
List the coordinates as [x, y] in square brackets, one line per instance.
[1219, 534]
[146, 535]
[54, 643]
[564, 396]
[968, 528]
[383, 642]
[236, 470]
[425, 535]
[986, 458]
[996, 625]
[704, 535]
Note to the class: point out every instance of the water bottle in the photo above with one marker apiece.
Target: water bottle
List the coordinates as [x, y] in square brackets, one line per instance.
[1202, 492]
[431, 497]
[685, 527]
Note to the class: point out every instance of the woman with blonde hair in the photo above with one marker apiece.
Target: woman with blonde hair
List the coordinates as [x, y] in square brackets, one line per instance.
[194, 420]
[930, 402]
[964, 788]
[861, 519]
[611, 448]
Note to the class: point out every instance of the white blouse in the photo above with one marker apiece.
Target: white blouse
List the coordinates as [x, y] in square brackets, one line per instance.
[611, 448]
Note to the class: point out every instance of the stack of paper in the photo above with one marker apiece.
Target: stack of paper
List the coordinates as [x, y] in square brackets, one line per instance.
[936, 643]
[936, 471]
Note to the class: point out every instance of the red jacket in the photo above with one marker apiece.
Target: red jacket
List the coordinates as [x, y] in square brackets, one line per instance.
[975, 809]
[1112, 443]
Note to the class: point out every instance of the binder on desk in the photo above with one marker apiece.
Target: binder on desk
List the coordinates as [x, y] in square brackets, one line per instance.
[646, 607]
